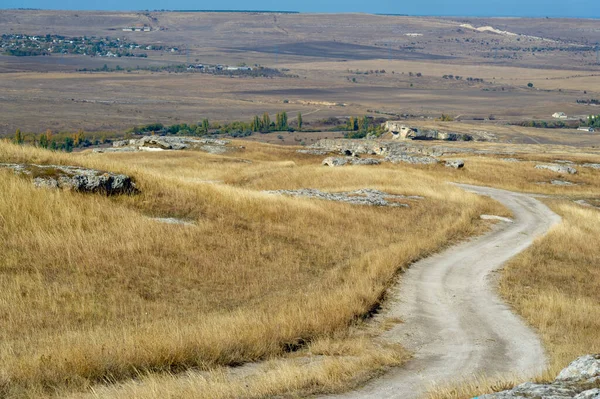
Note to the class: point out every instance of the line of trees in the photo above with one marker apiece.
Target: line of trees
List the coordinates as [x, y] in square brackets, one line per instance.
[359, 127]
[59, 141]
[258, 124]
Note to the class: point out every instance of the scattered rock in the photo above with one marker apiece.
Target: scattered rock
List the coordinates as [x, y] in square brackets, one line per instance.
[455, 163]
[214, 149]
[583, 202]
[415, 160]
[75, 178]
[313, 152]
[561, 183]
[173, 221]
[558, 168]
[333, 162]
[580, 380]
[510, 160]
[336, 161]
[365, 161]
[591, 165]
[364, 196]
[562, 161]
[494, 217]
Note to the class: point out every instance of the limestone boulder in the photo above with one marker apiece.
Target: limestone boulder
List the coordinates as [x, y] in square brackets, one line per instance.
[562, 169]
[75, 178]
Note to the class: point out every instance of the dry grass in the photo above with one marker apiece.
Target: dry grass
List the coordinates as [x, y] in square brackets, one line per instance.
[555, 285]
[94, 291]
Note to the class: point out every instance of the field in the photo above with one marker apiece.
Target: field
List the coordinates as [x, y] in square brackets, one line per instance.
[256, 295]
[335, 65]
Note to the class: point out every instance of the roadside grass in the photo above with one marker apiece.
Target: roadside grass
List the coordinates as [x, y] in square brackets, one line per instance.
[96, 292]
[555, 285]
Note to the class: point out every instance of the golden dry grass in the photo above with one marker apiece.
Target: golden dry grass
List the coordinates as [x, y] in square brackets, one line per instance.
[555, 285]
[94, 291]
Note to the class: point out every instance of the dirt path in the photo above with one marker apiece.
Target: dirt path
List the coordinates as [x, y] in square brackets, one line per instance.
[454, 322]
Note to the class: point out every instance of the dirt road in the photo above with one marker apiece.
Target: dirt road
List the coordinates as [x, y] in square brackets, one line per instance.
[454, 322]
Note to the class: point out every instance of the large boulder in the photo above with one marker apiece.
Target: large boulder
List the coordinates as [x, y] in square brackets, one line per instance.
[562, 169]
[584, 368]
[334, 161]
[579, 380]
[455, 163]
[75, 178]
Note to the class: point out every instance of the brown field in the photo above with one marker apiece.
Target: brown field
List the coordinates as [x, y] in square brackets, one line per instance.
[323, 51]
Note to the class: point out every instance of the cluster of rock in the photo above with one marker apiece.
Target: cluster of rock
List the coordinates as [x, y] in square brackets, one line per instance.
[75, 178]
[393, 152]
[161, 143]
[401, 131]
[385, 147]
[580, 380]
[365, 196]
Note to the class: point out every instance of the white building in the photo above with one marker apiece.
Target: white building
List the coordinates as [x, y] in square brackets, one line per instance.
[559, 115]
[586, 129]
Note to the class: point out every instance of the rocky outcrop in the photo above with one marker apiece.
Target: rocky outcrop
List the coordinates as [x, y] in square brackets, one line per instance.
[563, 169]
[455, 163]
[580, 380]
[337, 161]
[386, 147]
[75, 178]
[363, 196]
[161, 143]
[400, 131]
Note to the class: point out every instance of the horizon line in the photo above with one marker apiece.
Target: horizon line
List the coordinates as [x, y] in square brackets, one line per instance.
[303, 12]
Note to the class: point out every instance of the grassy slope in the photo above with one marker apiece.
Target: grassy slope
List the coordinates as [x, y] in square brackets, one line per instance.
[95, 291]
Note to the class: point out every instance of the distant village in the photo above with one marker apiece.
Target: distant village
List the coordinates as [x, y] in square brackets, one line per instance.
[44, 45]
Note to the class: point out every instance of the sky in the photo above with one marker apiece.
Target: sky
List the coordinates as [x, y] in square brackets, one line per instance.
[517, 8]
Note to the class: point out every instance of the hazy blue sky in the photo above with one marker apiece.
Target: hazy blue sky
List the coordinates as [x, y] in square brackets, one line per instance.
[527, 8]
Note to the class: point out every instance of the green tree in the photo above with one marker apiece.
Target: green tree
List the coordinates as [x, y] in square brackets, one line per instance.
[363, 124]
[43, 140]
[256, 124]
[266, 122]
[19, 137]
[529, 84]
[299, 121]
[205, 125]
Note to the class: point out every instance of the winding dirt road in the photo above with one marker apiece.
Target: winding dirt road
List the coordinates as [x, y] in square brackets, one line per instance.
[454, 322]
